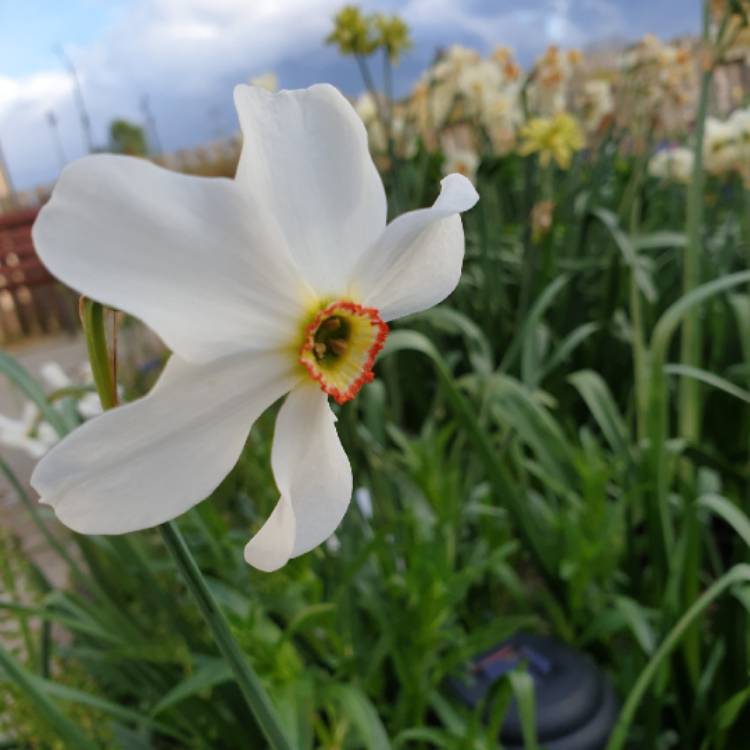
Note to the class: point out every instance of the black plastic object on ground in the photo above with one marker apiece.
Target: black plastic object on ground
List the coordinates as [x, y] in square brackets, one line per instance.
[576, 707]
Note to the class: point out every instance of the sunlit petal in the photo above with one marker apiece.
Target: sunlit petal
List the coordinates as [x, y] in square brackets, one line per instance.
[149, 461]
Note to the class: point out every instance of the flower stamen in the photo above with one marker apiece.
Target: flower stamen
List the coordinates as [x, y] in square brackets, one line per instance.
[340, 345]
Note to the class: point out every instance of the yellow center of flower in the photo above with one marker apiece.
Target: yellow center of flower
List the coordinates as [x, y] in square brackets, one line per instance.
[339, 347]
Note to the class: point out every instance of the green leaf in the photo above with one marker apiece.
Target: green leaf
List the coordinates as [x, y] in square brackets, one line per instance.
[728, 711]
[737, 574]
[659, 240]
[672, 316]
[721, 384]
[433, 737]
[28, 683]
[598, 398]
[729, 512]
[452, 321]
[523, 690]
[564, 349]
[20, 376]
[209, 674]
[73, 695]
[635, 616]
[534, 425]
[640, 273]
[525, 339]
[359, 710]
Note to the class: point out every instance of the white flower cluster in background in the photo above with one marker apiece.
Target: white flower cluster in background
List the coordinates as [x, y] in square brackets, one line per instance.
[33, 435]
[726, 151]
[596, 103]
[727, 144]
[550, 81]
[659, 84]
[674, 163]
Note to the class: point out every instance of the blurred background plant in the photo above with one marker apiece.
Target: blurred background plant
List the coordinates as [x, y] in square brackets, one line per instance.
[529, 457]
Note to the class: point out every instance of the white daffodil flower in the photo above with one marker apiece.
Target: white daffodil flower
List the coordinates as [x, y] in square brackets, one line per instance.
[280, 281]
[28, 433]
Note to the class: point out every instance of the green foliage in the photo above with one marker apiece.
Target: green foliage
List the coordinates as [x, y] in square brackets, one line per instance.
[127, 138]
[526, 468]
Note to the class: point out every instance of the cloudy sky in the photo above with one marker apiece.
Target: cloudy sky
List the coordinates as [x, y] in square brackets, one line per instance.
[186, 55]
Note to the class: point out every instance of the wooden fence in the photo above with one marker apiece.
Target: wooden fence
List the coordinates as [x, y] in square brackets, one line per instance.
[32, 303]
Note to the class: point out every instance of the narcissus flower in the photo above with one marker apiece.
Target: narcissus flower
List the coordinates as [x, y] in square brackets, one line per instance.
[557, 137]
[280, 281]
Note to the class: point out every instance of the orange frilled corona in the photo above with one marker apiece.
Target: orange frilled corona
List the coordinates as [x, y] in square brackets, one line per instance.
[340, 345]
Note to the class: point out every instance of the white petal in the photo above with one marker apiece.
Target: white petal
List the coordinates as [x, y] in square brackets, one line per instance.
[189, 256]
[313, 476]
[417, 261]
[271, 548]
[149, 461]
[305, 158]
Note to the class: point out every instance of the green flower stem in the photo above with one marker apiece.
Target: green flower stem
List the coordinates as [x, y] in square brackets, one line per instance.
[384, 113]
[658, 412]
[691, 343]
[691, 272]
[248, 682]
[92, 315]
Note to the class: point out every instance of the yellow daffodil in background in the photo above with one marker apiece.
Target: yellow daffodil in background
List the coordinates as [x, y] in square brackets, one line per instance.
[352, 32]
[557, 137]
[392, 34]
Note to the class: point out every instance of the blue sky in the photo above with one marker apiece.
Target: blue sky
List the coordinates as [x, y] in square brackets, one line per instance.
[31, 29]
[186, 55]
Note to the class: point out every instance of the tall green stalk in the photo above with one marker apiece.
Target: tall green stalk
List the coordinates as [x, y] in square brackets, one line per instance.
[691, 344]
[250, 685]
[252, 689]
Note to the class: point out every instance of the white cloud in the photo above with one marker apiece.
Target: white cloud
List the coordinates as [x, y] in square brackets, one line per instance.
[32, 92]
[187, 54]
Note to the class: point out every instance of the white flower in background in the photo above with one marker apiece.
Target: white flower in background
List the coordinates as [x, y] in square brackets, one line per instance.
[461, 160]
[597, 103]
[672, 164]
[547, 90]
[477, 84]
[721, 151]
[279, 281]
[27, 433]
[88, 404]
[363, 498]
[267, 81]
[404, 136]
[455, 58]
[502, 115]
[367, 109]
[54, 376]
[452, 76]
[30, 432]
